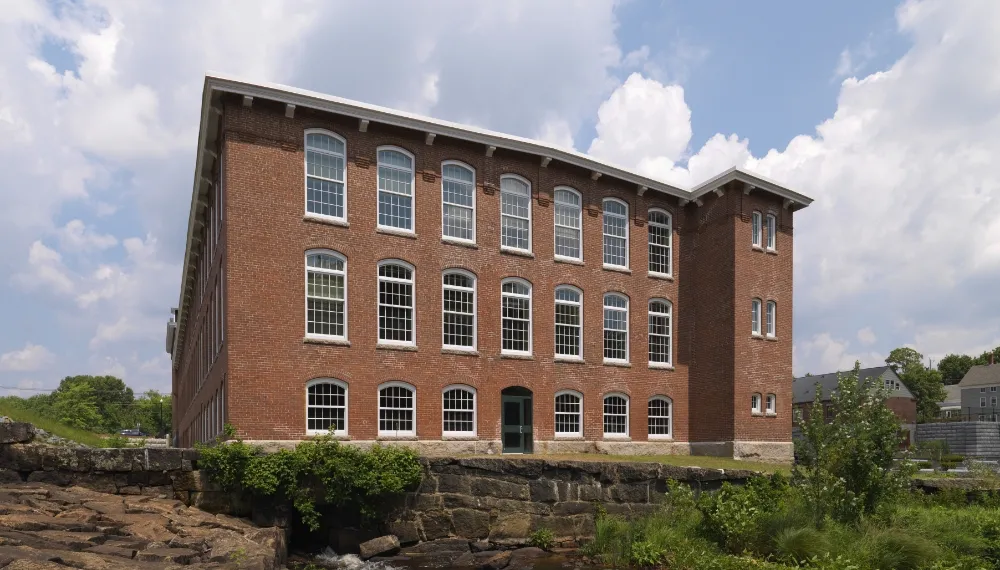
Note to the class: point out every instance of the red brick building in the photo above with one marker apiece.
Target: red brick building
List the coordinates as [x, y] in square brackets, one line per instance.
[386, 276]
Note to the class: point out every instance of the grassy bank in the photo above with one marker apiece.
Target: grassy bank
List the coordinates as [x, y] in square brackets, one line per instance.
[52, 426]
[678, 460]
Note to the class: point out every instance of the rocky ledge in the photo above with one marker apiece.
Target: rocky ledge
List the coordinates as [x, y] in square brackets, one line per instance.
[44, 527]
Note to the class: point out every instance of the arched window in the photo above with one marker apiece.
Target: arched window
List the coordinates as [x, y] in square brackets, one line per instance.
[771, 313]
[755, 316]
[395, 302]
[326, 407]
[568, 223]
[459, 410]
[569, 417]
[772, 231]
[755, 403]
[615, 233]
[326, 177]
[395, 189]
[515, 213]
[515, 298]
[659, 332]
[569, 316]
[660, 240]
[616, 415]
[397, 409]
[458, 202]
[459, 310]
[771, 404]
[615, 328]
[755, 229]
[659, 418]
[326, 294]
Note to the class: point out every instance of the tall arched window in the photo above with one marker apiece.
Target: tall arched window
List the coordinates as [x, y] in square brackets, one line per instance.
[326, 177]
[395, 189]
[458, 202]
[568, 223]
[395, 302]
[755, 229]
[659, 333]
[772, 315]
[772, 231]
[459, 410]
[616, 415]
[660, 240]
[326, 407]
[515, 213]
[615, 233]
[326, 294]
[755, 317]
[569, 414]
[615, 328]
[459, 310]
[659, 418]
[569, 318]
[397, 405]
[515, 298]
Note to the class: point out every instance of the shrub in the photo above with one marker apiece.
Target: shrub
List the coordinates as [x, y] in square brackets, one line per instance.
[644, 554]
[542, 538]
[801, 544]
[949, 465]
[925, 465]
[953, 457]
[733, 515]
[115, 440]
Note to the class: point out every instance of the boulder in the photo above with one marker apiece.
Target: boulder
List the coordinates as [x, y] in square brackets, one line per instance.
[496, 561]
[437, 546]
[181, 555]
[387, 545]
[524, 558]
[16, 432]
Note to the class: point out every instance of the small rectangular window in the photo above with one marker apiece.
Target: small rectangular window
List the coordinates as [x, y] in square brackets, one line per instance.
[755, 403]
[755, 317]
[993, 388]
[771, 403]
[982, 402]
[755, 228]
[772, 231]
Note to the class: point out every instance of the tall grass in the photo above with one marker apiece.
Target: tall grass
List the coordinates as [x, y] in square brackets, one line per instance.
[50, 425]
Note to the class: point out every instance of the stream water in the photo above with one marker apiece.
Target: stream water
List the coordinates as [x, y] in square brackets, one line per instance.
[331, 559]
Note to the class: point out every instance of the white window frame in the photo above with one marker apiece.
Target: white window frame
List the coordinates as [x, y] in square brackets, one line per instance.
[475, 411]
[502, 215]
[475, 308]
[473, 207]
[670, 418]
[755, 403]
[531, 315]
[413, 296]
[670, 332]
[579, 306]
[756, 229]
[566, 434]
[993, 401]
[413, 191]
[771, 405]
[347, 407]
[628, 352]
[993, 388]
[378, 410]
[305, 262]
[605, 235]
[604, 414]
[555, 223]
[772, 232]
[305, 169]
[771, 318]
[755, 316]
[670, 240]
[982, 401]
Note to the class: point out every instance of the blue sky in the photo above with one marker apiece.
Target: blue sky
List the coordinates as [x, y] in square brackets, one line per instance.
[885, 112]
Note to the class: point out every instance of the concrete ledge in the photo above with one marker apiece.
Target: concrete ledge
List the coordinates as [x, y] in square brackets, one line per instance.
[765, 451]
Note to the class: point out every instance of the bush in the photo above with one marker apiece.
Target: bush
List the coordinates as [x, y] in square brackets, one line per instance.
[925, 465]
[953, 457]
[115, 440]
[801, 544]
[733, 515]
[542, 538]
[949, 465]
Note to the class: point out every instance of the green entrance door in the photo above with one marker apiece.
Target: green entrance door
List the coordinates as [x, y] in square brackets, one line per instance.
[515, 409]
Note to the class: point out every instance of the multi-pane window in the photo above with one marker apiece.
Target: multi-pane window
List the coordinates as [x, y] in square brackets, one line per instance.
[658, 417]
[660, 238]
[326, 305]
[396, 409]
[615, 415]
[755, 228]
[771, 404]
[659, 332]
[515, 213]
[771, 314]
[395, 303]
[615, 327]
[568, 220]
[568, 414]
[615, 233]
[326, 407]
[755, 403]
[772, 231]
[515, 297]
[325, 187]
[755, 316]
[568, 328]
[458, 202]
[459, 411]
[459, 311]
[395, 190]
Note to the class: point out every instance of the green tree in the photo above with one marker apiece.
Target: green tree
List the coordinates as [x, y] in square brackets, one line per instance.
[152, 412]
[114, 400]
[926, 385]
[953, 367]
[76, 406]
[990, 356]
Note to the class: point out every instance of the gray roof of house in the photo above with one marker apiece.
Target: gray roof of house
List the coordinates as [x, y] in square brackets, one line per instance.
[952, 396]
[804, 388]
[981, 375]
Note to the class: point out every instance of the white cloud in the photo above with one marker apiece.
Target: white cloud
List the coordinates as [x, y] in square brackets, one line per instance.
[31, 357]
[556, 131]
[45, 269]
[823, 353]
[867, 336]
[76, 236]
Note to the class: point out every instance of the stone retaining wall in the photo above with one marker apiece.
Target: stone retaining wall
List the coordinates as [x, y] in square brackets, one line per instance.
[973, 439]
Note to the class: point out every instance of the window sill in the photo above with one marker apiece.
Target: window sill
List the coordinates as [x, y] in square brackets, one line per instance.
[617, 268]
[771, 338]
[333, 436]
[517, 356]
[569, 359]
[772, 251]
[662, 276]
[460, 351]
[403, 347]
[326, 341]
[616, 437]
[520, 252]
[382, 437]
[757, 248]
[315, 218]
[757, 414]
[618, 363]
[660, 437]
[661, 366]
[771, 414]
[757, 336]
[568, 437]
[396, 232]
[568, 260]
[459, 242]
[460, 437]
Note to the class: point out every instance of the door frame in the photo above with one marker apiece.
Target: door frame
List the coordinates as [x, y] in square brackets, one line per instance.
[525, 429]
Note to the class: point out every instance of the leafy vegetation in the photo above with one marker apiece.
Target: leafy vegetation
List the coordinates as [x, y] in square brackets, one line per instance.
[542, 538]
[318, 470]
[954, 366]
[48, 424]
